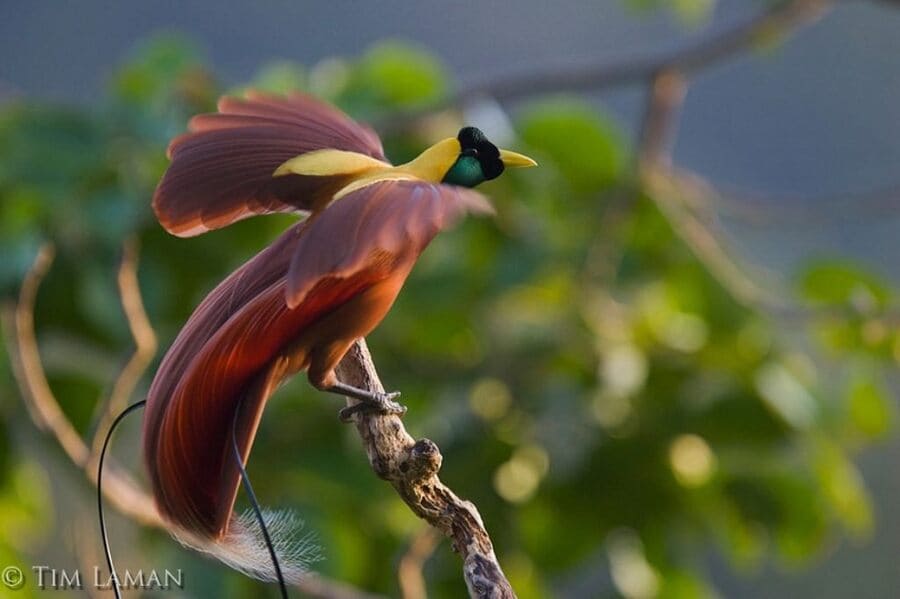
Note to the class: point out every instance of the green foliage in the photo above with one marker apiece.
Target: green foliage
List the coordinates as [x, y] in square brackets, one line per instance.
[580, 143]
[27, 516]
[690, 12]
[603, 400]
[869, 406]
[841, 283]
[395, 75]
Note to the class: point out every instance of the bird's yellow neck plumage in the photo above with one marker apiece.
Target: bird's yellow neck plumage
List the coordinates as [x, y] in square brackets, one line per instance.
[431, 165]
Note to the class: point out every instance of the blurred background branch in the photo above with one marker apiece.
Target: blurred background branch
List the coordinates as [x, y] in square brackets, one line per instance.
[665, 96]
[18, 329]
[145, 345]
[781, 19]
[410, 570]
[667, 82]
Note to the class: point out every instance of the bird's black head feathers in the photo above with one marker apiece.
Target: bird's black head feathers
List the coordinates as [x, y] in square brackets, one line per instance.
[473, 141]
[479, 159]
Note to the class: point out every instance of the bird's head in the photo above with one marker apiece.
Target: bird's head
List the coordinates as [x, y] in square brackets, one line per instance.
[479, 160]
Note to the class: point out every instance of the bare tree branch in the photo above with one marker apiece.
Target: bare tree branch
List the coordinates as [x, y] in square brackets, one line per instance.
[669, 190]
[18, 328]
[144, 341]
[412, 469]
[26, 362]
[409, 571]
[783, 17]
[319, 587]
[682, 196]
[802, 212]
[667, 77]
[665, 97]
[87, 553]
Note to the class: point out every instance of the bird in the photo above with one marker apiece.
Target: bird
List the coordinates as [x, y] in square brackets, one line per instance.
[300, 303]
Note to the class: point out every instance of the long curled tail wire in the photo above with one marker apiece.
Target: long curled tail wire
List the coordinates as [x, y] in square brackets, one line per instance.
[245, 480]
[109, 561]
[257, 511]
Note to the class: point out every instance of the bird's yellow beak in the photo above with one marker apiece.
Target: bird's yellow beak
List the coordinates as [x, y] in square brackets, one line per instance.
[516, 160]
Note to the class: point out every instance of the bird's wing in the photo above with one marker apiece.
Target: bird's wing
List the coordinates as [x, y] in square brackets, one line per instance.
[232, 349]
[222, 169]
[376, 228]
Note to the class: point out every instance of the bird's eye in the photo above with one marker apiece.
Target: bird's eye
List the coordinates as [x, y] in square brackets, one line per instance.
[470, 152]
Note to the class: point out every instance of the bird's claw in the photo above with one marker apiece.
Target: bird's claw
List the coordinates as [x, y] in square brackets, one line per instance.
[378, 403]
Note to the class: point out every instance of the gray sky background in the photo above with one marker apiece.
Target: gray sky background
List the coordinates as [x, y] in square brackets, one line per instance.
[817, 117]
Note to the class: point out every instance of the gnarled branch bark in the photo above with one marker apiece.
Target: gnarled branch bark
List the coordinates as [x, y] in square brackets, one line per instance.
[412, 469]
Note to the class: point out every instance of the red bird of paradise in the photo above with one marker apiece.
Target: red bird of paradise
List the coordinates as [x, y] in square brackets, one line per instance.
[300, 303]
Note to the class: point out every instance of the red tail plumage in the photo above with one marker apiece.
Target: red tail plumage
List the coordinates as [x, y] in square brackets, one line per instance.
[299, 304]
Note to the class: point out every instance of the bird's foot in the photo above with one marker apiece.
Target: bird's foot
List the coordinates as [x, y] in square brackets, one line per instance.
[369, 401]
[377, 403]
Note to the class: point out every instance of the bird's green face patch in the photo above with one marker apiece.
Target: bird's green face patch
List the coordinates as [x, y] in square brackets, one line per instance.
[466, 171]
[479, 160]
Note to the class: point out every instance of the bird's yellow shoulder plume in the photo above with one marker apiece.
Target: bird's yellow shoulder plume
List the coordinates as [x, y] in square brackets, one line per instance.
[467, 160]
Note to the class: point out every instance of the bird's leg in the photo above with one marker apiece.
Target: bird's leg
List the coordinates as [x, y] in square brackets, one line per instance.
[320, 371]
[369, 401]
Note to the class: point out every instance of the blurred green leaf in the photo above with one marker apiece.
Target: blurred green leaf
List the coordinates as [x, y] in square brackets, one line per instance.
[844, 489]
[157, 69]
[690, 12]
[279, 78]
[785, 395]
[584, 147]
[870, 407]
[401, 75]
[836, 282]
